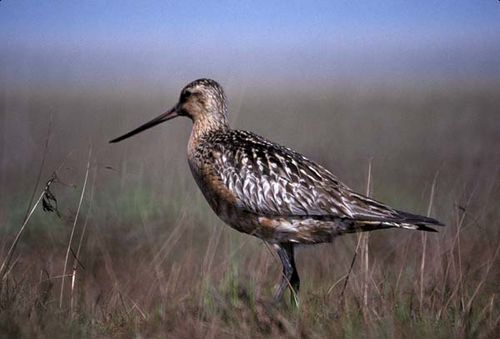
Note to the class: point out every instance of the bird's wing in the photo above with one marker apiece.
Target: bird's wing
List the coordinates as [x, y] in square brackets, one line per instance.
[269, 179]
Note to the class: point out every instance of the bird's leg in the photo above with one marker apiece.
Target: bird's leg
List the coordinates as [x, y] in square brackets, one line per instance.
[290, 274]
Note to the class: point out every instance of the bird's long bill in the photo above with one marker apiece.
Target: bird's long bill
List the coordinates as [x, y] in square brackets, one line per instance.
[158, 120]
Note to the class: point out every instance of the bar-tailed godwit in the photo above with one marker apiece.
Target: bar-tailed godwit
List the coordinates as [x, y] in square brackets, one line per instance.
[270, 191]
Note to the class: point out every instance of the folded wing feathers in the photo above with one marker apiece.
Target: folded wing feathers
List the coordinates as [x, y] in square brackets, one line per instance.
[270, 179]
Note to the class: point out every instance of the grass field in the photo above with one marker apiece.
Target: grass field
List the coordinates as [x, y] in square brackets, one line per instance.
[154, 261]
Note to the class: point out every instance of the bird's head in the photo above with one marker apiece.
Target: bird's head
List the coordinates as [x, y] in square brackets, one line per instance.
[203, 101]
[201, 98]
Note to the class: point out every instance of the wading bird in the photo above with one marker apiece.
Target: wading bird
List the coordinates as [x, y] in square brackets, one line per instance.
[270, 191]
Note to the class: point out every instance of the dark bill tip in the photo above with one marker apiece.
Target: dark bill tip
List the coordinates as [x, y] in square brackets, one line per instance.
[158, 120]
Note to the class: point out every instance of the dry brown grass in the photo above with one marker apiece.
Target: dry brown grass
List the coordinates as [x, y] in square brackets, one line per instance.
[153, 260]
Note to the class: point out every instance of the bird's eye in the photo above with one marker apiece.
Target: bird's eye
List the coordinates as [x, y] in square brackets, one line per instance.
[187, 94]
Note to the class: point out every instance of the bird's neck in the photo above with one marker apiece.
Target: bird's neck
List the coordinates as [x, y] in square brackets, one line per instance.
[202, 127]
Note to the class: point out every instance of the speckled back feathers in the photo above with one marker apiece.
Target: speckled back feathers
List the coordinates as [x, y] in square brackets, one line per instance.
[272, 180]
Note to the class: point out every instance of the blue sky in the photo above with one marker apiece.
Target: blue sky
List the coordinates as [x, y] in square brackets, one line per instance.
[101, 40]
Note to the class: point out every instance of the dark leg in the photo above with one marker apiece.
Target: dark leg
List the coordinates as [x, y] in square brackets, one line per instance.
[290, 274]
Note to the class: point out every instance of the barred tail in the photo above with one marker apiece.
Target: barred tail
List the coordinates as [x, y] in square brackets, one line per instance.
[402, 220]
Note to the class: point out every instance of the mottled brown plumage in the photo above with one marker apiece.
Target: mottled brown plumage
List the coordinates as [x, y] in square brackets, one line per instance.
[270, 191]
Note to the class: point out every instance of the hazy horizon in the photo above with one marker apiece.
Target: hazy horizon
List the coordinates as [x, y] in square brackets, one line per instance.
[101, 44]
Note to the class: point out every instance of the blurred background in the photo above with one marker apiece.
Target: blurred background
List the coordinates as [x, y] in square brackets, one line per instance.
[412, 88]
[333, 79]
